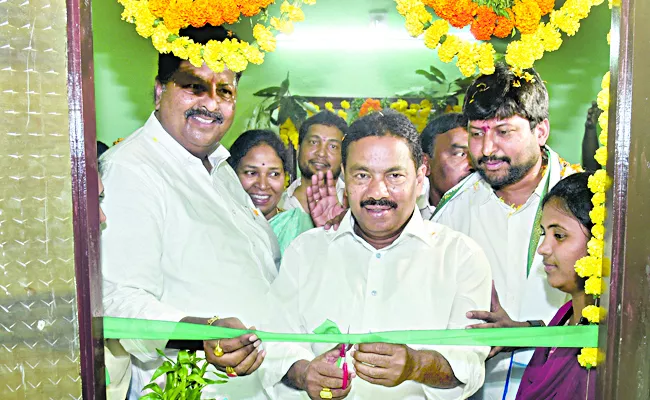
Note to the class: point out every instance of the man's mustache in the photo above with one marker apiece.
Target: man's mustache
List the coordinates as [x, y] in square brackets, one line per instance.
[380, 203]
[485, 159]
[217, 116]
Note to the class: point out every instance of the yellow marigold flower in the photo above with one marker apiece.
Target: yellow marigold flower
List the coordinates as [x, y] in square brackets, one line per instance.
[410, 112]
[595, 247]
[329, 106]
[594, 286]
[567, 23]
[345, 105]
[594, 314]
[179, 49]
[449, 48]
[309, 2]
[467, 58]
[527, 15]
[413, 25]
[598, 231]
[598, 198]
[588, 357]
[423, 15]
[285, 8]
[579, 8]
[609, 37]
[549, 36]
[599, 181]
[603, 120]
[519, 55]
[342, 114]
[536, 48]
[282, 25]
[414, 106]
[264, 37]
[194, 54]
[603, 99]
[296, 14]
[424, 112]
[434, 33]
[588, 266]
[604, 84]
[426, 104]
[214, 53]
[252, 54]
[159, 39]
[144, 20]
[601, 156]
[405, 6]
[597, 214]
[614, 3]
[602, 138]
[486, 58]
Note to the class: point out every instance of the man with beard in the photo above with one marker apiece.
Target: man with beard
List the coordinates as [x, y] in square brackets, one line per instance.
[378, 272]
[185, 241]
[499, 206]
[444, 143]
[320, 139]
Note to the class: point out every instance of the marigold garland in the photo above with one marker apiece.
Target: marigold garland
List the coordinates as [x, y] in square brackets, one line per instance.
[487, 20]
[594, 266]
[161, 21]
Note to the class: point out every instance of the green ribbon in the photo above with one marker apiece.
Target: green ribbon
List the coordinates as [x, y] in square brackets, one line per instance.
[556, 336]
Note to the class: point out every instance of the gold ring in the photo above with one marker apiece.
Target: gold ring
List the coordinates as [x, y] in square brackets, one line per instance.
[325, 393]
[218, 351]
[230, 371]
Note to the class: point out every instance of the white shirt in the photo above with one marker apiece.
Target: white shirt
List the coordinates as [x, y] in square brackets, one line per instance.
[427, 279]
[179, 242]
[504, 234]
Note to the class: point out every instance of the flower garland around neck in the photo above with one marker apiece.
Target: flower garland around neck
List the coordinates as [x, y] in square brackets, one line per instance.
[161, 21]
[595, 266]
[500, 18]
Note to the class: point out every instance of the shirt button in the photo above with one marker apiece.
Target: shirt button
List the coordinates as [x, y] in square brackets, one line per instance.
[378, 255]
[374, 293]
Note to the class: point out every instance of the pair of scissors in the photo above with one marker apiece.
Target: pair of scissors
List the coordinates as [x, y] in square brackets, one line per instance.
[342, 359]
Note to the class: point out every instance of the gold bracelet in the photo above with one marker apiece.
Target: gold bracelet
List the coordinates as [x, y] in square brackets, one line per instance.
[213, 320]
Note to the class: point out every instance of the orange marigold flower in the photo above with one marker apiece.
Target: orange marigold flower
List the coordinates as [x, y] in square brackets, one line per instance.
[230, 11]
[158, 7]
[546, 6]
[483, 25]
[459, 13]
[250, 8]
[177, 14]
[369, 106]
[527, 15]
[504, 25]
[200, 13]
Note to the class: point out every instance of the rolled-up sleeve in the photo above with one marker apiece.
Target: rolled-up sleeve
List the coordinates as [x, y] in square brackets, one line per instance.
[283, 302]
[131, 252]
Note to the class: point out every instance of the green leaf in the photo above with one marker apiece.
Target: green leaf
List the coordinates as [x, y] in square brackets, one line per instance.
[153, 386]
[151, 396]
[429, 76]
[268, 92]
[437, 73]
[273, 105]
[284, 87]
[183, 357]
[220, 375]
[163, 369]
[196, 378]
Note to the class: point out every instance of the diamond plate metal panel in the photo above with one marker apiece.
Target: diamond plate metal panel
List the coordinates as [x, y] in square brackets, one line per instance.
[39, 349]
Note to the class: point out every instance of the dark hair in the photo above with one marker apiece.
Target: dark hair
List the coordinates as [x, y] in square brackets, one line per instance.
[574, 196]
[253, 138]
[168, 63]
[505, 94]
[326, 118]
[441, 124]
[384, 123]
[101, 149]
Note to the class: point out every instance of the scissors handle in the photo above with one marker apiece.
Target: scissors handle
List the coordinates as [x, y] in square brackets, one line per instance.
[345, 367]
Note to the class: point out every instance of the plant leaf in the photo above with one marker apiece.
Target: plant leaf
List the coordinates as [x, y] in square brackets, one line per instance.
[429, 76]
[197, 378]
[154, 387]
[183, 357]
[163, 369]
[437, 73]
[151, 396]
[268, 92]
[284, 87]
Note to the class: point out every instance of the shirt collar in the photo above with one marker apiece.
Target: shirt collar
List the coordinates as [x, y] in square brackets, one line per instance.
[414, 228]
[292, 188]
[159, 135]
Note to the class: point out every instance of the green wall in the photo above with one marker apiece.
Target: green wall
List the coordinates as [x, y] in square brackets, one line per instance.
[125, 68]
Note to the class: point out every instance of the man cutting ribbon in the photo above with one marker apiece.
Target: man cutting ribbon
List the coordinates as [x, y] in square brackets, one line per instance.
[385, 268]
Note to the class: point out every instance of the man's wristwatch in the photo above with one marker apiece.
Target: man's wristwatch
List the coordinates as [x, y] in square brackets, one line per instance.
[536, 323]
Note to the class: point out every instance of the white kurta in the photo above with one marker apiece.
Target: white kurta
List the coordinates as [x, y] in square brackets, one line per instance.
[179, 242]
[288, 201]
[504, 234]
[427, 279]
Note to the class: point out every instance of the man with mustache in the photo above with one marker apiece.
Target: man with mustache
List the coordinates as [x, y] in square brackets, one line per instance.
[384, 269]
[185, 242]
[499, 207]
[320, 139]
